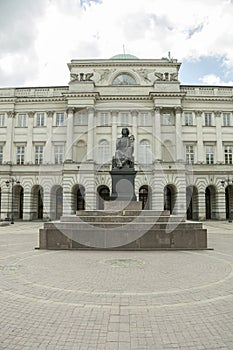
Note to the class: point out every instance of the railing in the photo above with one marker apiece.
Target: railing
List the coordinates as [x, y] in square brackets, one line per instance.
[208, 91]
[33, 92]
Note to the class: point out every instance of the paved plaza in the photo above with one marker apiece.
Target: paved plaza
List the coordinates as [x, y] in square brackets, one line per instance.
[103, 300]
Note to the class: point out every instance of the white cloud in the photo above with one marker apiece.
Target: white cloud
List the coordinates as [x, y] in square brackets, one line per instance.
[63, 30]
[212, 79]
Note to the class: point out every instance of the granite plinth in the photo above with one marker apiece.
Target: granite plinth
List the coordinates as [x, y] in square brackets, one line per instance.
[123, 188]
[126, 230]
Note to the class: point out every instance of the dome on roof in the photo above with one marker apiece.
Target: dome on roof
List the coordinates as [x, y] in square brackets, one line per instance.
[124, 56]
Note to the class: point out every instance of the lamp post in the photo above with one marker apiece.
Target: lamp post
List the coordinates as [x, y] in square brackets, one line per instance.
[11, 182]
[228, 181]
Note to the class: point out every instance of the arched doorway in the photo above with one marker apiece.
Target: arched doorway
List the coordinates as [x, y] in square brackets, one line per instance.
[145, 197]
[59, 202]
[17, 202]
[37, 202]
[229, 201]
[192, 203]
[210, 202]
[103, 195]
[169, 198]
[78, 198]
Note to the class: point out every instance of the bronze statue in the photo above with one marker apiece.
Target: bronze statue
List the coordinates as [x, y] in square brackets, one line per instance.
[124, 151]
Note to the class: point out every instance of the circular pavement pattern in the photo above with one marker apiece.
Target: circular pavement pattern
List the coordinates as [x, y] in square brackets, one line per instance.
[141, 292]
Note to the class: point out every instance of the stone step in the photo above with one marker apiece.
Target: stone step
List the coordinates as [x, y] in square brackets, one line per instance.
[122, 213]
[120, 219]
[143, 226]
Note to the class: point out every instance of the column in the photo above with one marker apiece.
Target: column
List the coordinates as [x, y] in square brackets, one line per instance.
[90, 134]
[27, 213]
[221, 204]
[200, 145]
[69, 135]
[179, 143]
[49, 131]
[219, 150]
[114, 115]
[29, 153]
[9, 137]
[156, 137]
[135, 133]
[201, 206]
[5, 202]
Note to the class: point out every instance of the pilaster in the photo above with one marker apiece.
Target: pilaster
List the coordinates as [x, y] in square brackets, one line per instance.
[90, 134]
[200, 145]
[9, 137]
[156, 134]
[69, 135]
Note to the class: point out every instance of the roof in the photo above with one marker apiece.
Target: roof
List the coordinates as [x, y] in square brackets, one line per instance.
[124, 56]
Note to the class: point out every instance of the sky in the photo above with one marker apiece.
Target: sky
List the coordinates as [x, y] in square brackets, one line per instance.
[39, 37]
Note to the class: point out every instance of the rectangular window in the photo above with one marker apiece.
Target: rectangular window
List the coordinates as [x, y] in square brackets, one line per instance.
[188, 119]
[189, 154]
[82, 118]
[20, 150]
[124, 119]
[58, 154]
[103, 119]
[167, 119]
[40, 119]
[228, 154]
[2, 120]
[39, 151]
[144, 119]
[226, 119]
[1, 154]
[60, 119]
[22, 120]
[209, 154]
[208, 119]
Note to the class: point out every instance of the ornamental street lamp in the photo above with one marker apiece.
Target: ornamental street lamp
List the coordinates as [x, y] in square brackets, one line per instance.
[11, 182]
[228, 181]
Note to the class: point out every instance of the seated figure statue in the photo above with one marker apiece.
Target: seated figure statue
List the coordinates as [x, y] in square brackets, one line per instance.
[124, 151]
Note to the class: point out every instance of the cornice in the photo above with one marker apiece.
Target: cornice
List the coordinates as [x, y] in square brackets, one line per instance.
[123, 63]
[40, 99]
[124, 98]
[167, 94]
[209, 98]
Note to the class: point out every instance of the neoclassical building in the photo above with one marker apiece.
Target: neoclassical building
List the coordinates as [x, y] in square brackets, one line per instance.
[57, 143]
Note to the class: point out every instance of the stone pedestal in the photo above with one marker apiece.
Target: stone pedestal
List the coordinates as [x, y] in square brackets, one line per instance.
[123, 184]
[122, 205]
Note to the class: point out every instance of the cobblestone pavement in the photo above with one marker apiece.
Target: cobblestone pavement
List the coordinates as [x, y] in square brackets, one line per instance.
[100, 300]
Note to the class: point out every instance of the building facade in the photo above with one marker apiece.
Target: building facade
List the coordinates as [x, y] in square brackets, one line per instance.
[57, 143]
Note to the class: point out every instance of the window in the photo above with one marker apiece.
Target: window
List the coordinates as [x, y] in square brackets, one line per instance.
[39, 151]
[226, 119]
[22, 120]
[124, 79]
[208, 119]
[228, 154]
[145, 156]
[2, 120]
[167, 119]
[144, 119]
[103, 151]
[188, 119]
[60, 119]
[82, 118]
[124, 119]
[103, 119]
[40, 119]
[58, 154]
[20, 154]
[189, 154]
[1, 154]
[209, 154]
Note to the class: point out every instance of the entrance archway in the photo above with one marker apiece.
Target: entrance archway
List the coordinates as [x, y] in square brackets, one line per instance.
[210, 202]
[56, 202]
[103, 195]
[145, 197]
[192, 203]
[37, 202]
[17, 202]
[229, 201]
[169, 197]
[78, 198]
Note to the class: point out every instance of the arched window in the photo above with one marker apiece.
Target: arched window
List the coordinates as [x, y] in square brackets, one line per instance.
[124, 79]
[145, 156]
[103, 151]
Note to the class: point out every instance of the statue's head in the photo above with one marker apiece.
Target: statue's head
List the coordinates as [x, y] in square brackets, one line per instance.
[125, 132]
